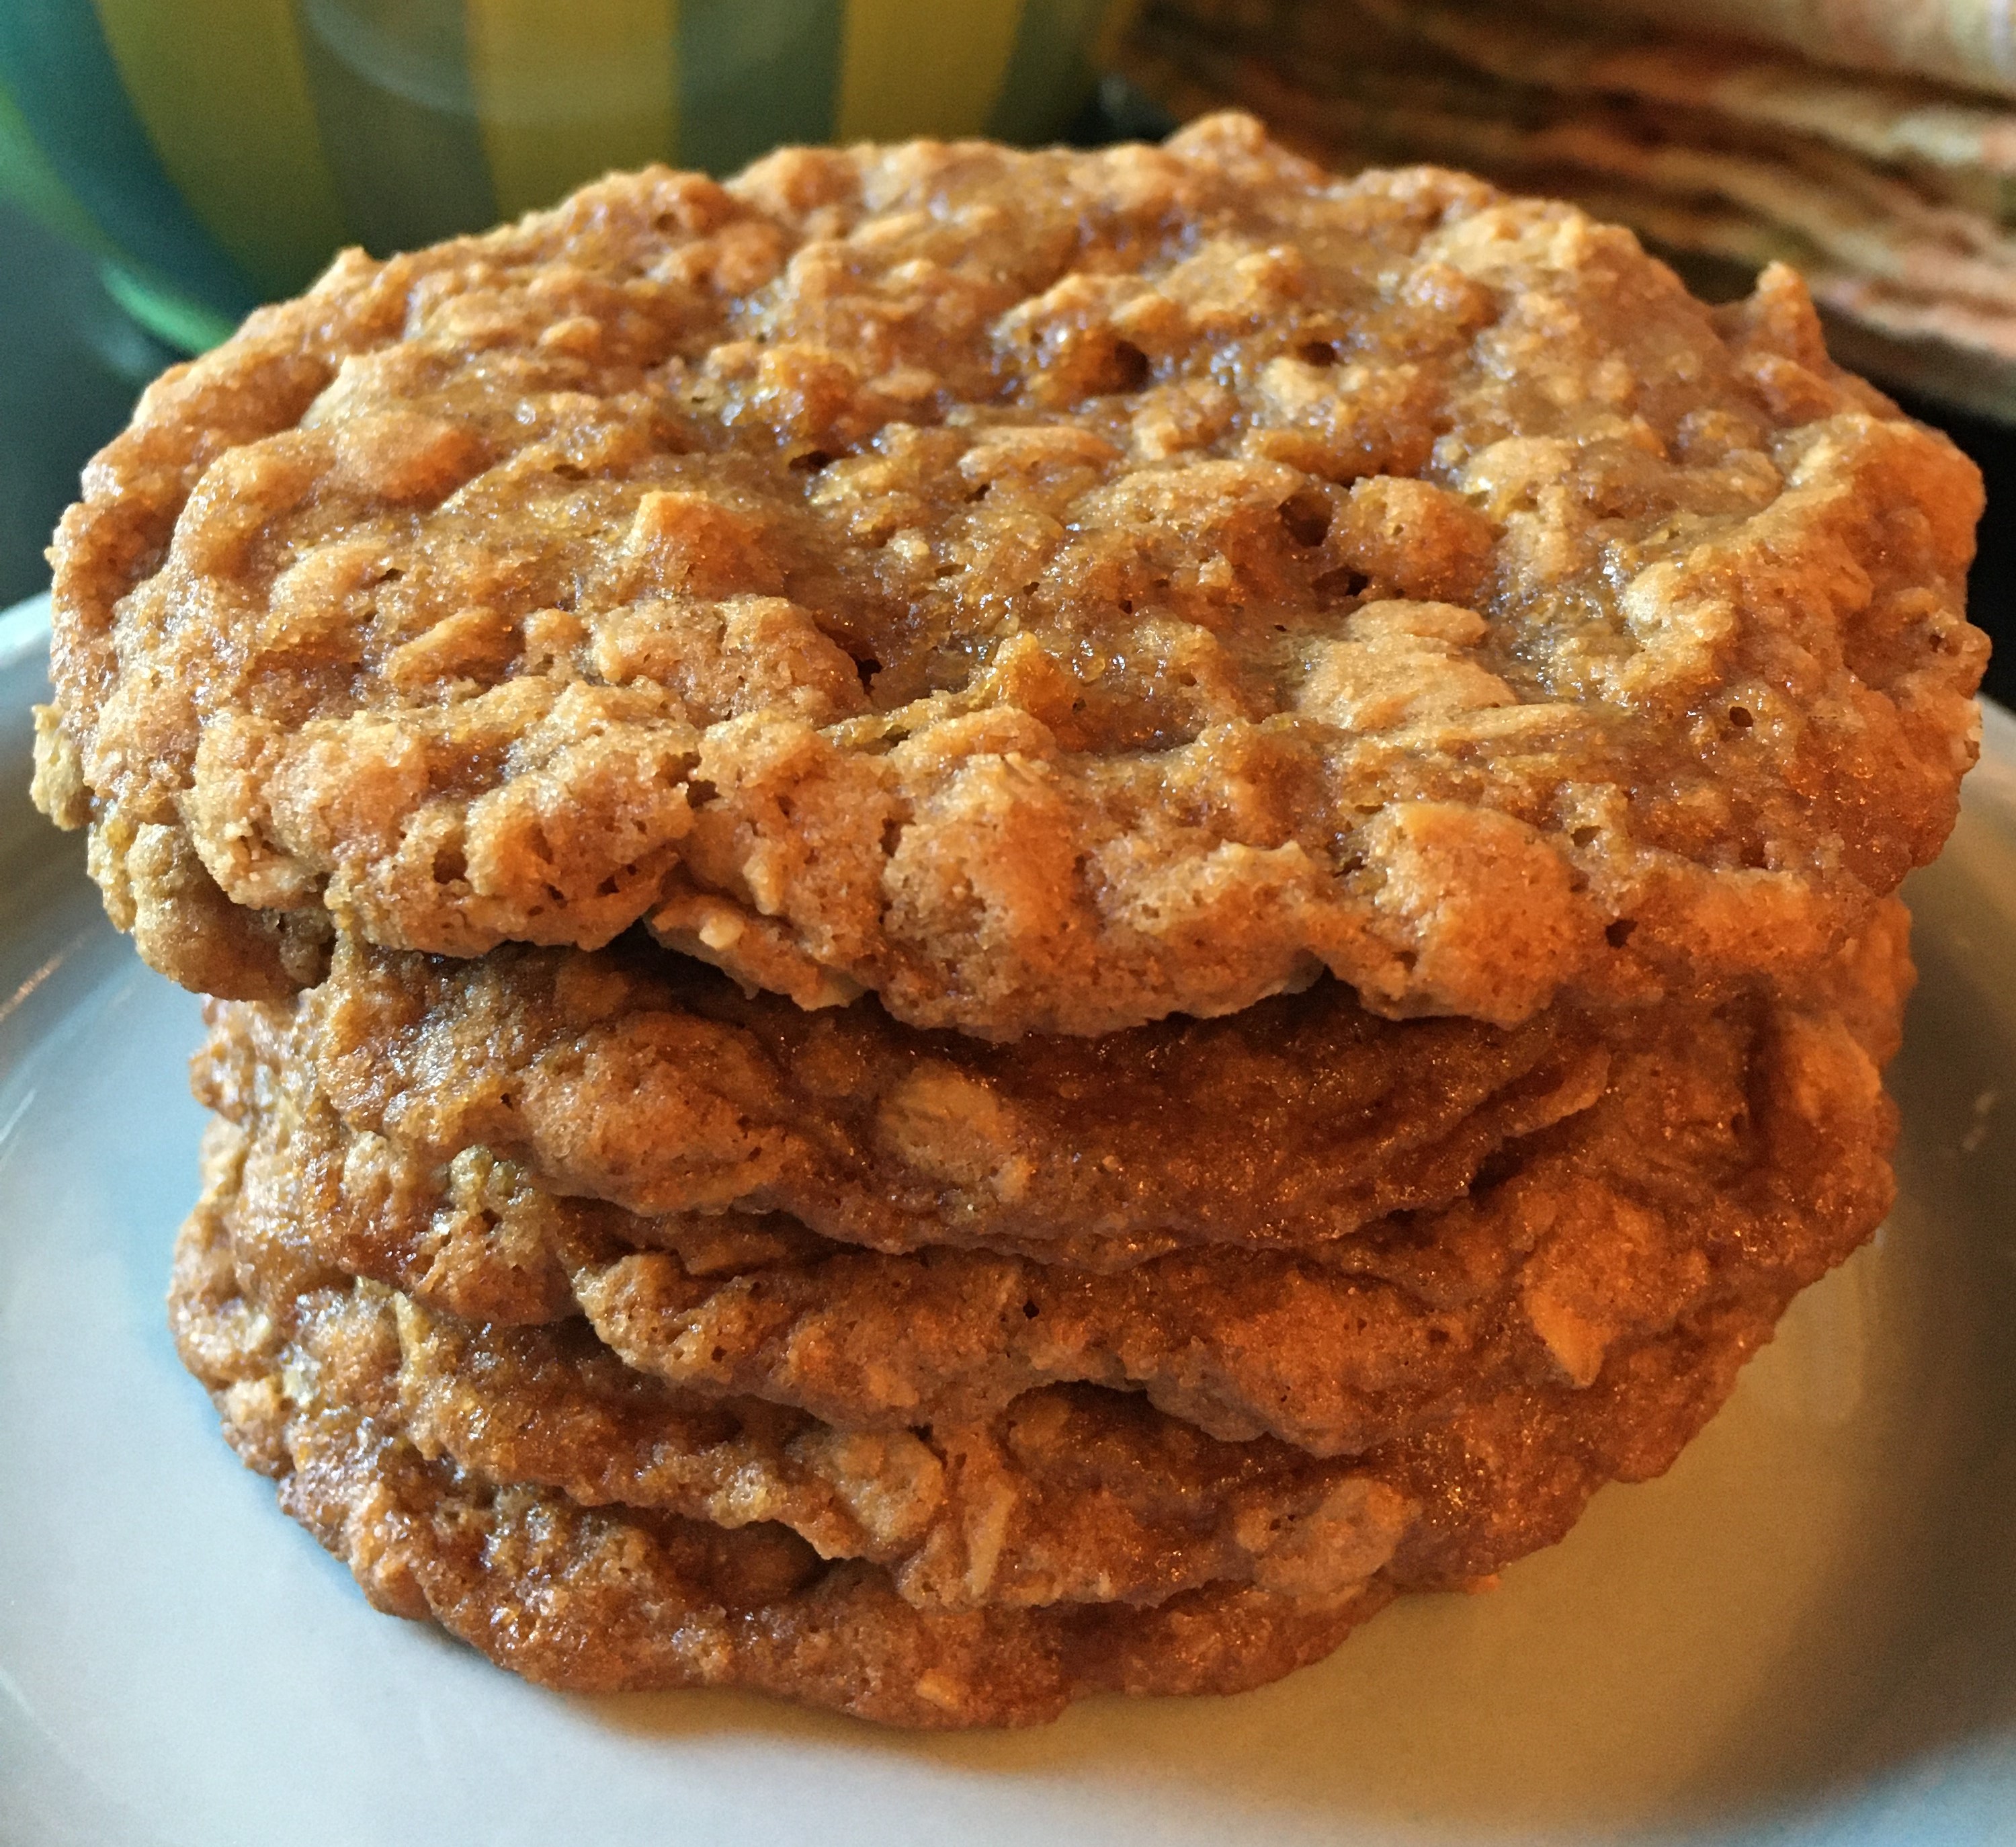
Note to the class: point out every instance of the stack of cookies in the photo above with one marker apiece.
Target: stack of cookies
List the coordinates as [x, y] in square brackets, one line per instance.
[990, 925]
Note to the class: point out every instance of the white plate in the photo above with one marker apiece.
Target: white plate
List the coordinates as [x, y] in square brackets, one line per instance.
[1805, 1633]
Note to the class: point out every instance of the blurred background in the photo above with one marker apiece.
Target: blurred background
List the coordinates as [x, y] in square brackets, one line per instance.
[166, 164]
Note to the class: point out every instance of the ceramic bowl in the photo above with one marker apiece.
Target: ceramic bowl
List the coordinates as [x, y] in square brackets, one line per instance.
[215, 153]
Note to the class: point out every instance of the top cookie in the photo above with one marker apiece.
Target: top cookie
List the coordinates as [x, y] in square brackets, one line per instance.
[1053, 590]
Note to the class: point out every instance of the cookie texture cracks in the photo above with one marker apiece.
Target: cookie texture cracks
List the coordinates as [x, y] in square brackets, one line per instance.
[1049, 590]
[653, 1084]
[1733, 1148]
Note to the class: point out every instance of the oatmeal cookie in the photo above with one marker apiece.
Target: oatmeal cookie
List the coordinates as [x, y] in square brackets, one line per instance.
[654, 1084]
[1070, 1495]
[1049, 590]
[1742, 1135]
[602, 1599]
[662, 1089]
[613, 1596]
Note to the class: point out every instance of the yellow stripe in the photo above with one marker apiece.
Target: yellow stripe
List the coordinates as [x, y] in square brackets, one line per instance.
[220, 87]
[923, 67]
[568, 89]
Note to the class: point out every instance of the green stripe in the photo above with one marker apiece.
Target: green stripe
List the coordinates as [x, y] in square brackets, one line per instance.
[27, 176]
[173, 319]
[262, 189]
[55, 62]
[1050, 72]
[390, 79]
[755, 74]
[566, 92]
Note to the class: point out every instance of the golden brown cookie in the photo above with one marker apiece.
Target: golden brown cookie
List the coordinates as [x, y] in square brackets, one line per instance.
[1069, 1495]
[617, 1596]
[599, 1600]
[1745, 1134]
[653, 1083]
[1051, 590]
[1759, 1130]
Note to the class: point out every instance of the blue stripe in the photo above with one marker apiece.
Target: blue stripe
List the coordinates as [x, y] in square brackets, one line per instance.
[62, 78]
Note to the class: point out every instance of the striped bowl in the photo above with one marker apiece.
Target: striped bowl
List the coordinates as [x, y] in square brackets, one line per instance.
[215, 153]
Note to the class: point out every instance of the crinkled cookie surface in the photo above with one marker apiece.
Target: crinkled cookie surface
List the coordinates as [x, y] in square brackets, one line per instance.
[602, 1599]
[1051, 590]
[1733, 1148]
[655, 1084]
[613, 1594]
[652, 1082]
